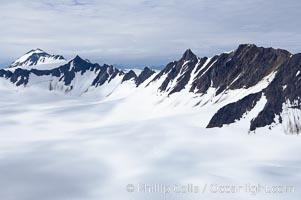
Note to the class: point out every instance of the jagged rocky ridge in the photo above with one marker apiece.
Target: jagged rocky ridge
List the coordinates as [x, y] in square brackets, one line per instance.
[245, 68]
[283, 89]
[66, 73]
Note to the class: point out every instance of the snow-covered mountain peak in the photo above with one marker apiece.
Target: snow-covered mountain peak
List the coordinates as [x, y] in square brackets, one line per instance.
[36, 57]
[37, 50]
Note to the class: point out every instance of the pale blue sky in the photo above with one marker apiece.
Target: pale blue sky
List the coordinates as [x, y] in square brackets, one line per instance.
[145, 32]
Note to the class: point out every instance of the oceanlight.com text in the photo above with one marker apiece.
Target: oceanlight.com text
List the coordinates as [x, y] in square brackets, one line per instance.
[252, 189]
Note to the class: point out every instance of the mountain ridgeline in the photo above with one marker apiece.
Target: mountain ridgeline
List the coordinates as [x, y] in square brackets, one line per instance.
[237, 83]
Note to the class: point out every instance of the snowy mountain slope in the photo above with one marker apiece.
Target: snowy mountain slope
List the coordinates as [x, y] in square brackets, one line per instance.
[37, 57]
[227, 86]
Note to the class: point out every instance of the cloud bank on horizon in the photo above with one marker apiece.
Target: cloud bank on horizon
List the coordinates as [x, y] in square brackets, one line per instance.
[145, 32]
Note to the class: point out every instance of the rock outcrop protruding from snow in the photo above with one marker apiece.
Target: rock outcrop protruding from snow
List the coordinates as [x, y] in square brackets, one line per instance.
[286, 86]
[234, 111]
[259, 63]
[177, 74]
[130, 75]
[144, 75]
[105, 73]
[243, 68]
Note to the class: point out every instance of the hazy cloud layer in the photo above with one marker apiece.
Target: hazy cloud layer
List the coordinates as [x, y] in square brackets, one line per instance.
[145, 31]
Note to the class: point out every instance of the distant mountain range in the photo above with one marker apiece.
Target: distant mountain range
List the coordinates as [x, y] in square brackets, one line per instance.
[255, 83]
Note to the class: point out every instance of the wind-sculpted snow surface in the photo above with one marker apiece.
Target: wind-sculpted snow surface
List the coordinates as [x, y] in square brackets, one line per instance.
[58, 147]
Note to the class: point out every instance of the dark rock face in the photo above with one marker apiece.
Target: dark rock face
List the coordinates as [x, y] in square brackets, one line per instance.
[189, 55]
[242, 68]
[171, 69]
[58, 57]
[129, 75]
[144, 75]
[179, 72]
[67, 72]
[5, 74]
[18, 77]
[186, 75]
[285, 87]
[234, 111]
[105, 73]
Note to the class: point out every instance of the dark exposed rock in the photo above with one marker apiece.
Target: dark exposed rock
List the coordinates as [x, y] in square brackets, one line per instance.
[168, 69]
[189, 56]
[234, 111]
[67, 72]
[58, 57]
[5, 74]
[286, 86]
[105, 73]
[242, 68]
[129, 75]
[202, 80]
[181, 69]
[144, 75]
[186, 75]
[18, 77]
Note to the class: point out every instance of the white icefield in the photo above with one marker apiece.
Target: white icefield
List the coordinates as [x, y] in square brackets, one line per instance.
[89, 143]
